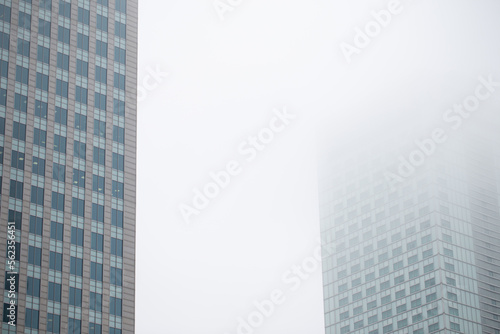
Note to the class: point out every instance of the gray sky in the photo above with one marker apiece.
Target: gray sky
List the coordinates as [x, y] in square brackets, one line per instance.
[227, 80]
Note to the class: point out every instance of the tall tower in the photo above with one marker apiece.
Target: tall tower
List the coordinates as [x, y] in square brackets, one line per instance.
[68, 156]
[417, 235]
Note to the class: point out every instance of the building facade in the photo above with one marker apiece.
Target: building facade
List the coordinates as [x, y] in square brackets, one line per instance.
[67, 165]
[416, 235]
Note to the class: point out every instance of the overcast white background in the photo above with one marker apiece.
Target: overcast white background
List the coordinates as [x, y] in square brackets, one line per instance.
[225, 78]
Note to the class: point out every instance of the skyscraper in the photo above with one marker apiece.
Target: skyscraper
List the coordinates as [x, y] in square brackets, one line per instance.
[67, 172]
[417, 235]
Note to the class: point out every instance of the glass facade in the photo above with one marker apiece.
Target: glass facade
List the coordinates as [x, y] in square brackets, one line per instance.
[419, 256]
[67, 165]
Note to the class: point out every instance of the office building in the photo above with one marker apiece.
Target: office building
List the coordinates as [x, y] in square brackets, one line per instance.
[68, 156]
[416, 235]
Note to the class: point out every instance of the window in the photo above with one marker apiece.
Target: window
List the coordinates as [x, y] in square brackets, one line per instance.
[103, 2]
[55, 292]
[5, 13]
[53, 323]
[81, 95]
[115, 276]
[61, 116]
[20, 102]
[454, 311]
[97, 212]
[74, 326]
[121, 6]
[448, 252]
[46, 4]
[432, 312]
[63, 61]
[100, 101]
[43, 55]
[430, 282]
[101, 74]
[419, 331]
[117, 190]
[31, 318]
[454, 326]
[417, 318]
[39, 137]
[372, 319]
[452, 296]
[101, 49]
[41, 109]
[115, 306]
[56, 231]
[16, 217]
[429, 298]
[400, 294]
[451, 281]
[384, 271]
[100, 131]
[358, 324]
[19, 131]
[385, 285]
[449, 267]
[401, 308]
[416, 303]
[428, 268]
[58, 172]
[80, 122]
[63, 34]
[119, 134]
[82, 42]
[95, 328]
[119, 107]
[98, 184]
[36, 225]
[96, 271]
[17, 160]
[414, 288]
[44, 27]
[36, 195]
[387, 329]
[120, 29]
[4, 40]
[22, 75]
[412, 259]
[57, 201]
[60, 144]
[102, 23]
[427, 253]
[344, 301]
[76, 266]
[116, 218]
[55, 261]
[402, 323]
[119, 81]
[75, 297]
[371, 291]
[42, 82]
[97, 242]
[64, 9]
[116, 247]
[399, 279]
[16, 189]
[24, 21]
[398, 265]
[83, 16]
[345, 329]
[34, 256]
[61, 88]
[119, 55]
[4, 69]
[386, 299]
[118, 163]
[77, 236]
[355, 297]
[447, 238]
[2, 121]
[78, 207]
[414, 273]
[99, 156]
[95, 301]
[82, 68]
[371, 304]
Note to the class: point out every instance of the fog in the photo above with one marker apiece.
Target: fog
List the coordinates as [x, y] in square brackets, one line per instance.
[239, 101]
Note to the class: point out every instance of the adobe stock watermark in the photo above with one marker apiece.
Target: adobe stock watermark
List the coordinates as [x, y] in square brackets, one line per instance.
[248, 150]
[373, 28]
[224, 6]
[454, 118]
[292, 278]
[151, 81]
